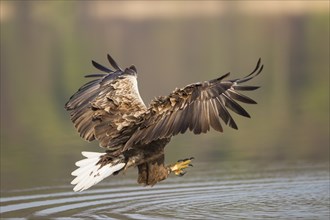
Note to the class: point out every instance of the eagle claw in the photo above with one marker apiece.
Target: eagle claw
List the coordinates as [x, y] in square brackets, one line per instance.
[182, 173]
[178, 167]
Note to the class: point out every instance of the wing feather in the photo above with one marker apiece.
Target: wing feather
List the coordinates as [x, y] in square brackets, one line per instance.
[214, 117]
[113, 62]
[234, 106]
[240, 97]
[100, 67]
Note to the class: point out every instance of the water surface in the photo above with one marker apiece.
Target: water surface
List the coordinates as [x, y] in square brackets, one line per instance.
[207, 191]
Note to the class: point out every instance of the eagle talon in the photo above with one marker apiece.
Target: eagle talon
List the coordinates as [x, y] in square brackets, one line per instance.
[182, 173]
[178, 167]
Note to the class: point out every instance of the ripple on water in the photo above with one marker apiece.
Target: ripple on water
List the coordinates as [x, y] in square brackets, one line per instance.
[274, 193]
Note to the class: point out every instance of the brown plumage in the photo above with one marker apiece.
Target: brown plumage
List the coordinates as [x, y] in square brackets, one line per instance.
[110, 110]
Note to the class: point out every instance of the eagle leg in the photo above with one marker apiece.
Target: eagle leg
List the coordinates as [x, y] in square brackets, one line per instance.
[178, 167]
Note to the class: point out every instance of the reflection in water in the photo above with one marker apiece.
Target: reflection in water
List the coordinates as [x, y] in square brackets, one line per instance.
[241, 192]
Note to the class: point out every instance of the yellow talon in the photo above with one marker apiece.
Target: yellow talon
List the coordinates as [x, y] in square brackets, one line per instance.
[178, 167]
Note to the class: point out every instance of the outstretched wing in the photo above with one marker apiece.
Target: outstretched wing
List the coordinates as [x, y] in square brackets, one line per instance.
[196, 107]
[103, 107]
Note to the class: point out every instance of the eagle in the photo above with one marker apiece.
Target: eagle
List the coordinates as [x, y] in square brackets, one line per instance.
[110, 110]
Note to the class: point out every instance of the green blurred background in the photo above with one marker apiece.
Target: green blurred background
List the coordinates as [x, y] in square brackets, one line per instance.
[47, 46]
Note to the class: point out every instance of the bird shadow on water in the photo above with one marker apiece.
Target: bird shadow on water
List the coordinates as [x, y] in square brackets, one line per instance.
[276, 191]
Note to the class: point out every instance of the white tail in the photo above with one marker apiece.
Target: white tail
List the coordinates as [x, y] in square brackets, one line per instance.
[90, 173]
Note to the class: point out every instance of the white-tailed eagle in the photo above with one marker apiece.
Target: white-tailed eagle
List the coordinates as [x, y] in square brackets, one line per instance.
[109, 109]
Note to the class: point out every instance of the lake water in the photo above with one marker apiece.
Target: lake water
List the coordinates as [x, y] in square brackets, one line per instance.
[207, 191]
